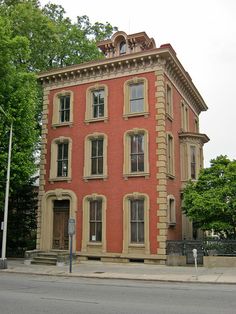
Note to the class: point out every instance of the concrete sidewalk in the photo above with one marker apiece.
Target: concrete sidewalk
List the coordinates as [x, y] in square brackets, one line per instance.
[132, 271]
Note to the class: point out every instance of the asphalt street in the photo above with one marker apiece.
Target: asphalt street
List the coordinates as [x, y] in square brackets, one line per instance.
[29, 294]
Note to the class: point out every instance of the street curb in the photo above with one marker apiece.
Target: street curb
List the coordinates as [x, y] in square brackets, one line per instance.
[95, 276]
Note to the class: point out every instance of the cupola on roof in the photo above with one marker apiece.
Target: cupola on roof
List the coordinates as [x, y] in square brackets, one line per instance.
[121, 44]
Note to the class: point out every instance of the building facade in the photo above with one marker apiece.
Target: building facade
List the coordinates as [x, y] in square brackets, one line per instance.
[120, 139]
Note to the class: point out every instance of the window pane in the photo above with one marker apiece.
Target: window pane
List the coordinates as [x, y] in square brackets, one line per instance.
[100, 147]
[140, 162]
[94, 166]
[99, 232]
[98, 103]
[137, 97]
[92, 236]
[134, 163]
[133, 232]
[100, 165]
[140, 232]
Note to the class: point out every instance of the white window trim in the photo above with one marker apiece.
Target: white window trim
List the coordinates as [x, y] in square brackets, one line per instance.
[127, 162]
[87, 156]
[56, 108]
[169, 109]
[89, 108]
[129, 247]
[86, 243]
[53, 164]
[126, 109]
[171, 222]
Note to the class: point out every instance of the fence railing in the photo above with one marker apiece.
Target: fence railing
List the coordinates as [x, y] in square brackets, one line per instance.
[204, 247]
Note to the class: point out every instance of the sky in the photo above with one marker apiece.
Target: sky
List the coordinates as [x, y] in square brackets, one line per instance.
[203, 34]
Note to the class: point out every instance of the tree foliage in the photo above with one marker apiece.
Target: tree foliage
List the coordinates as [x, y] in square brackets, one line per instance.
[211, 201]
[32, 39]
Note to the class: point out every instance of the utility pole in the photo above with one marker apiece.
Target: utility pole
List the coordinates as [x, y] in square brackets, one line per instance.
[3, 260]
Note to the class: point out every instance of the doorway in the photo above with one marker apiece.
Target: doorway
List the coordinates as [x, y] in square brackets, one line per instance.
[60, 224]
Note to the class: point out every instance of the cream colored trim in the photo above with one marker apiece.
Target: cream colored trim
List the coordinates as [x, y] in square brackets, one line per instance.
[161, 162]
[53, 165]
[88, 246]
[127, 148]
[126, 109]
[89, 105]
[56, 107]
[171, 211]
[170, 154]
[46, 240]
[169, 100]
[87, 156]
[129, 247]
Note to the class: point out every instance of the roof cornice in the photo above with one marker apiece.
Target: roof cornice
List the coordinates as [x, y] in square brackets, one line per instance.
[164, 57]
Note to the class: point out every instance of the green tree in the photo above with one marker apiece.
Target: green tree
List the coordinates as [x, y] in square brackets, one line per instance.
[34, 39]
[211, 201]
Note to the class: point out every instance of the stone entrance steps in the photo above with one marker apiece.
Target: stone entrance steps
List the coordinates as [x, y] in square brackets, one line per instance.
[50, 258]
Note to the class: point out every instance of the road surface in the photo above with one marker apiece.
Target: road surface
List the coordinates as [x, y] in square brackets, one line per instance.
[28, 294]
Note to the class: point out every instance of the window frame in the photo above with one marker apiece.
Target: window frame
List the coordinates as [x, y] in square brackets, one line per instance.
[184, 116]
[127, 113]
[170, 155]
[87, 245]
[88, 156]
[128, 246]
[171, 210]
[127, 170]
[89, 117]
[56, 116]
[169, 101]
[53, 173]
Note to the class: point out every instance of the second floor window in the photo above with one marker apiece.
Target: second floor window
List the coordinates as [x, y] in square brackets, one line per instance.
[64, 110]
[136, 97]
[137, 152]
[62, 160]
[170, 154]
[97, 156]
[98, 103]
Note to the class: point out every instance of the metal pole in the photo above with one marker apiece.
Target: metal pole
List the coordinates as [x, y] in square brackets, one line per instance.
[71, 239]
[4, 238]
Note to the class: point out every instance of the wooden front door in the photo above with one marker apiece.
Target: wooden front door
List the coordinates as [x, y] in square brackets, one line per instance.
[60, 225]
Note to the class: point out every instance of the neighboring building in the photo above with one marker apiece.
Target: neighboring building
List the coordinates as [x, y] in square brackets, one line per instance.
[120, 138]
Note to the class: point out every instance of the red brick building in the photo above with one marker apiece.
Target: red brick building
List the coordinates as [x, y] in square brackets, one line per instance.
[120, 139]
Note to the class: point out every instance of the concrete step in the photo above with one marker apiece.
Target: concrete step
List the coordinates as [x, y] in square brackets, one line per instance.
[39, 260]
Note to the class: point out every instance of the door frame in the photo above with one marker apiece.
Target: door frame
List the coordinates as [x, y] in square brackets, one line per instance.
[45, 222]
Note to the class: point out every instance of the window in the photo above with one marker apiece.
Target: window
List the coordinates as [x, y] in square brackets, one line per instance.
[95, 220]
[62, 108]
[135, 97]
[96, 103]
[193, 173]
[136, 224]
[169, 101]
[94, 224]
[137, 221]
[171, 210]
[62, 160]
[61, 152]
[95, 158]
[136, 153]
[170, 155]
[184, 117]
[122, 47]
[64, 112]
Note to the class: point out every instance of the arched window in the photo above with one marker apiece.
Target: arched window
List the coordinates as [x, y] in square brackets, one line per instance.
[122, 47]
